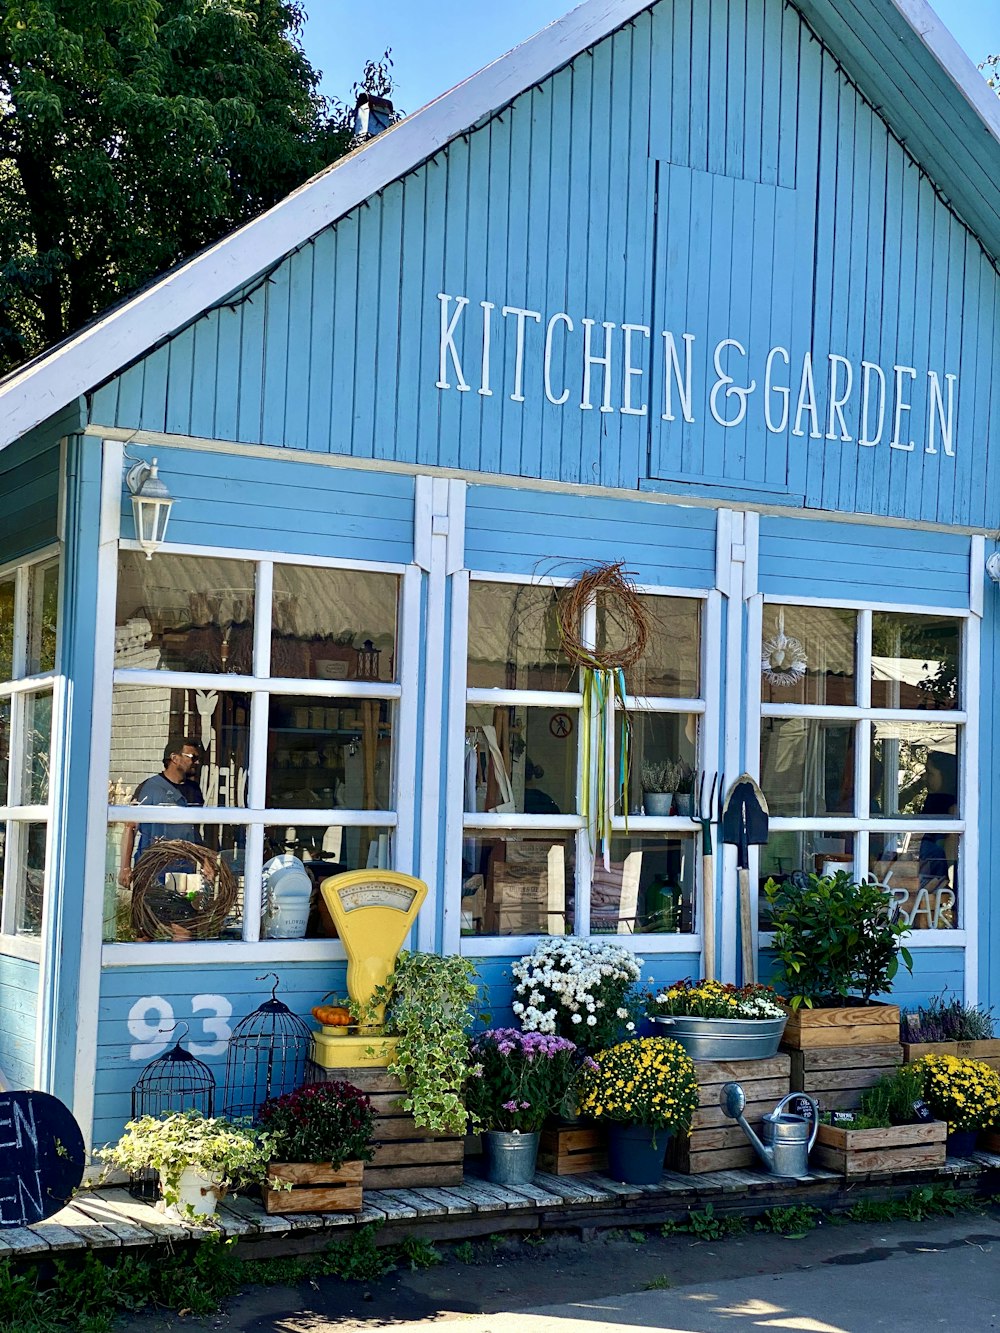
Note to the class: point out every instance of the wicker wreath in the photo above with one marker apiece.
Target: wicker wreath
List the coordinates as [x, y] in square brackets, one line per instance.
[158, 910]
[624, 606]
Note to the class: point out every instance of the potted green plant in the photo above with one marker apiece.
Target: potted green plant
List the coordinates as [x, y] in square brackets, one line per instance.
[645, 1090]
[198, 1158]
[321, 1137]
[583, 989]
[713, 1021]
[836, 946]
[659, 783]
[517, 1080]
[684, 791]
[430, 1002]
[886, 1133]
[966, 1093]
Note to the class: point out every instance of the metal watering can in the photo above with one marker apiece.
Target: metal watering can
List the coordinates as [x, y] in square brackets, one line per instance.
[788, 1139]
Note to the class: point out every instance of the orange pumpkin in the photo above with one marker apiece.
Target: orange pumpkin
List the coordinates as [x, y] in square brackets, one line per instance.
[332, 1015]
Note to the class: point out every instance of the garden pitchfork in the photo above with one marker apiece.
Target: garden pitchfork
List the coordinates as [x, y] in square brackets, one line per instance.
[707, 816]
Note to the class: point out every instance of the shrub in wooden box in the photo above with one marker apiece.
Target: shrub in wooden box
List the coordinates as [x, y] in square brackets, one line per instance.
[986, 1051]
[570, 1150]
[837, 1075]
[406, 1156]
[867, 1152]
[717, 1143]
[861, 1025]
[316, 1187]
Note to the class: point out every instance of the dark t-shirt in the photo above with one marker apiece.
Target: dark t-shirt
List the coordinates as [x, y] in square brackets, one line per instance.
[159, 790]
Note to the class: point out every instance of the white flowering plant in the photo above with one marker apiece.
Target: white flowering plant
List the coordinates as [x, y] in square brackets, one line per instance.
[583, 989]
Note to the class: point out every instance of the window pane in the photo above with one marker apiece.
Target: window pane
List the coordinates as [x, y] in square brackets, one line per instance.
[662, 762]
[670, 666]
[518, 883]
[334, 624]
[914, 770]
[514, 639]
[915, 661]
[649, 890]
[321, 850]
[324, 753]
[4, 841]
[43, 609]
[184, 613]
[37, 746]
[920, 870]
[145, 719]
[521, 759]
[807, 766]
[28, 847]
[795, 852]
[6, 629]
[808, 654]
[151, 894]
[5, 706]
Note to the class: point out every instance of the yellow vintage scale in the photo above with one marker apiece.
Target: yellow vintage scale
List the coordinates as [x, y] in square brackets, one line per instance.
[373, 911]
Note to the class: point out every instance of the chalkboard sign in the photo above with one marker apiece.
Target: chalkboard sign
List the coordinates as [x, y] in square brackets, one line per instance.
[922, 1111]
[41, 1157]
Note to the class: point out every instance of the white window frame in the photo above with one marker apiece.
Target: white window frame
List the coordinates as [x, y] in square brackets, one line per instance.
[861, 715]
[15, 814]
[460, 821]
[399, 822]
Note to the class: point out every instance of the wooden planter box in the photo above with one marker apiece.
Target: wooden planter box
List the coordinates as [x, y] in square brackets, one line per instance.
[864, 1025]
[986, 1051]
[570, 1150]
[406, 1157]
[989, 1141]
[717, 1143]
[837, 1075]
[867, 1152]
[317, 1187]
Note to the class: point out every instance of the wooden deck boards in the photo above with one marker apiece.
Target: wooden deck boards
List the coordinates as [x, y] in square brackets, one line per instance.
[108, 1219]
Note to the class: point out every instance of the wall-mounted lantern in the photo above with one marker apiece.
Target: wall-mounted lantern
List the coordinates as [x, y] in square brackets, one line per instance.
[151, 504]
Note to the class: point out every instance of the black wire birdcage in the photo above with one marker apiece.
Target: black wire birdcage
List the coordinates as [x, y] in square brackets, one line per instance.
[172, 1082]
[266, 1057]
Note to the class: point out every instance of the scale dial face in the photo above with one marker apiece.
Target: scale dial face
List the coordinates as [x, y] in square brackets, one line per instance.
[376, 893]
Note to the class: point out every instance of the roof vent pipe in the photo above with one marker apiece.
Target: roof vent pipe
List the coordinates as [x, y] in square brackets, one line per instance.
[372, 115]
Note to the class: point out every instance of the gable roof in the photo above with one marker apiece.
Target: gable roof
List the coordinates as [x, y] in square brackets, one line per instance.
[897, 51]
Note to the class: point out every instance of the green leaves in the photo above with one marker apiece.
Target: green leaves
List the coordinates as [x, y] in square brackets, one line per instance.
[836, 941]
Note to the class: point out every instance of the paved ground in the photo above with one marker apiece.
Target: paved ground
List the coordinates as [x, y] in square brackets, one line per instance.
[942, 1274]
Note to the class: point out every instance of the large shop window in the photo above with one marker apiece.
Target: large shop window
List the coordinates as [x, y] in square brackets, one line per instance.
[528, 865]
[29, 619]
[861, 752]
[253, 716]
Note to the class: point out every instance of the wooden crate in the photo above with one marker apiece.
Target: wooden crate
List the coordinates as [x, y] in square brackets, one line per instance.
[837, 1075]
[989, 1141]
[317, 1187]
[717, 1143]
[986, 1051]
[856, 1153]
[867, 1025]
[406, 1157]
[570, 1150]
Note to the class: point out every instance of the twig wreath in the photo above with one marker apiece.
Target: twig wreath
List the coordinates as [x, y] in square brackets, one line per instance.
[148, 890]
[602, 674]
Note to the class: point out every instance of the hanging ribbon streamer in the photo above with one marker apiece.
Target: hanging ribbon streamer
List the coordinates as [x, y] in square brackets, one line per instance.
[602, 791]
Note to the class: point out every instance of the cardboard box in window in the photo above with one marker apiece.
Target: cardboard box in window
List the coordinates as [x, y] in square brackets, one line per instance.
[526, 889]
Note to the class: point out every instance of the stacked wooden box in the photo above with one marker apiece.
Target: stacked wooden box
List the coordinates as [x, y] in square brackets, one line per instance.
[858, 1153]
[406, 1157]
[837, 1053]
[988, 1052]
[572, 1150]
[717, 1143]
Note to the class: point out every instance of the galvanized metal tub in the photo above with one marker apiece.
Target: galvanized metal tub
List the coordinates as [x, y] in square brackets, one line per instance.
[510, 1158]
[725, 1038]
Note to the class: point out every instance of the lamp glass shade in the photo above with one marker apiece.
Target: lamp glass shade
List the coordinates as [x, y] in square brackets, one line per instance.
[151, 504]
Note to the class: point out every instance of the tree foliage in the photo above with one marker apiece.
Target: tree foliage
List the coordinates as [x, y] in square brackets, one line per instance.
[135, 132]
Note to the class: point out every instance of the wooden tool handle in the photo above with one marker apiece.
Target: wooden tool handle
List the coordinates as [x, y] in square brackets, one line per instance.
[746, 927]
[708, 915]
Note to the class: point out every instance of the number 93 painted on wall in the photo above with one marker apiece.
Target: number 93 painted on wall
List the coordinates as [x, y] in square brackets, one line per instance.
[152, 1023]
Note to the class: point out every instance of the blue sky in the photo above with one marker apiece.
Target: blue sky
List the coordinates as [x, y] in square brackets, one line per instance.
[438, 43]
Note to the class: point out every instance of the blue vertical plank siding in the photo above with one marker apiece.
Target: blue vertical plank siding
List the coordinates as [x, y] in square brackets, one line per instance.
[18, 1014]
[29, 494]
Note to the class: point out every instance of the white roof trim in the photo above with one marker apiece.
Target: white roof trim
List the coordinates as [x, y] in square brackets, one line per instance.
[46, 385]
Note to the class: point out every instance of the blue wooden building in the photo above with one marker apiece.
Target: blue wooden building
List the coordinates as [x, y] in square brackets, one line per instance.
[706, 286]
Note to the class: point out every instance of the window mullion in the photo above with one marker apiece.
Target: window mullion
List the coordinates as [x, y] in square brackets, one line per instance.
[586, 848]
[20, 645]
[7, 905]
[262, 619]
[253, 860]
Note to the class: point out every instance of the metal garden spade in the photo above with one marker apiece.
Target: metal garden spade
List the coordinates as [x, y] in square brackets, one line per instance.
[744, 822]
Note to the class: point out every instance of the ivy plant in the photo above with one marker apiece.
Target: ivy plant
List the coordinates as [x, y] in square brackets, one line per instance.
[429, 1007]
[836, 940]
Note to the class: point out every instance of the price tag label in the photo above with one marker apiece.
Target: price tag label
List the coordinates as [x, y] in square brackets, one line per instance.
[801, 1106]
[922, 1111]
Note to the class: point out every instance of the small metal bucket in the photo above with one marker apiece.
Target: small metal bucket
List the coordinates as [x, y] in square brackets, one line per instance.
[510, 1157]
